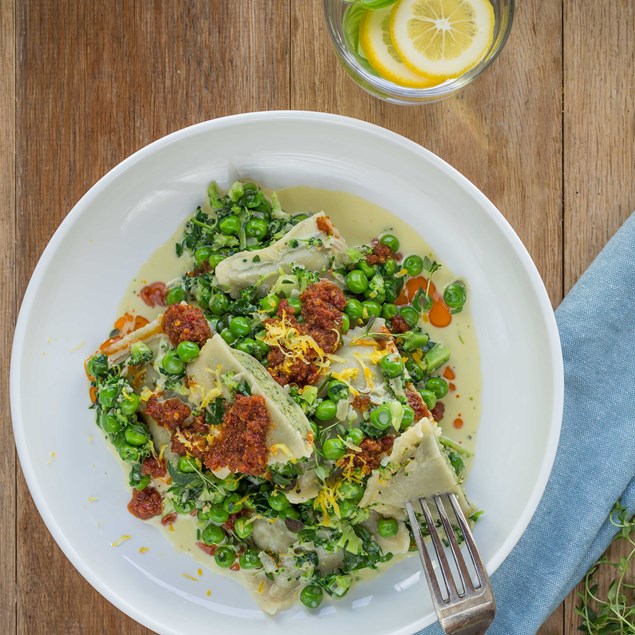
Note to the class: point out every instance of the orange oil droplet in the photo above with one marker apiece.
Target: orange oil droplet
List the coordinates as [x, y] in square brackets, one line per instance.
[458, 423]
[440, 314]
[448, 373]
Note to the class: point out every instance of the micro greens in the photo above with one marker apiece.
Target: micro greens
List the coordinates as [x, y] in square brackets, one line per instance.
[616, 613]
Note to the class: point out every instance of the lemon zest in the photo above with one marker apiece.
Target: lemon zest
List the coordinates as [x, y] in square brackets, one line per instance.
[120, 540]
[284, 448]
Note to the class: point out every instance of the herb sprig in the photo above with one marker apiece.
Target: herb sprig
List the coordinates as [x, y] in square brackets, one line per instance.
[616, 612]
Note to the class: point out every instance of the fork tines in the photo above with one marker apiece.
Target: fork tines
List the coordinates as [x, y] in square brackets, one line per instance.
[466, 600]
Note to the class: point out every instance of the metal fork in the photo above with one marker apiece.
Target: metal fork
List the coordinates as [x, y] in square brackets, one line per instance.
[467, 609]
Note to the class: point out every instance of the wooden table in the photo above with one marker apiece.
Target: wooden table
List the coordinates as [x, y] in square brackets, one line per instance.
[548, 133]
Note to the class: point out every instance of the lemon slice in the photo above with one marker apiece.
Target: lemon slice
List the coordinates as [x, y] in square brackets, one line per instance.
[442, 38]
[376, 43]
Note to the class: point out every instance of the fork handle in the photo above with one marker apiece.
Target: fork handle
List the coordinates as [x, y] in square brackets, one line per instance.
[465, 625]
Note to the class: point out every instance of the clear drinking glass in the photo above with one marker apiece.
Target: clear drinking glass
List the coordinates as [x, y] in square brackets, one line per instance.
[377, 86]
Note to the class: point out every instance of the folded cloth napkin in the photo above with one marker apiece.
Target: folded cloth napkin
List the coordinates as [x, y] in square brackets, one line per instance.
[595, 462]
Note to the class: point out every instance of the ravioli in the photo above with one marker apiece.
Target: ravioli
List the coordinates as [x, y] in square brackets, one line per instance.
[290, 435]
[417, 467]
[307, 245]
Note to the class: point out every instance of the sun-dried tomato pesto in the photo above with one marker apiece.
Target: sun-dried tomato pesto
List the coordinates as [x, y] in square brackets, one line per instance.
[170, 413]
[322, 305]
[373, 450]
[241, 445]
[145, 503]
[182, 322]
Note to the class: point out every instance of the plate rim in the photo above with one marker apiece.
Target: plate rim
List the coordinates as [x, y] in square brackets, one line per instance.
[537, 284]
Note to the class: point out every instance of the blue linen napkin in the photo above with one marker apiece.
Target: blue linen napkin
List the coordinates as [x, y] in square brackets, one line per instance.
[595, 462]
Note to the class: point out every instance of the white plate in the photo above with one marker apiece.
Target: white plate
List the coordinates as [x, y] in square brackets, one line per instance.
[71, 302]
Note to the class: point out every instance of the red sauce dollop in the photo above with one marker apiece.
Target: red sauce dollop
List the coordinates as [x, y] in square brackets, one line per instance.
[153, 294]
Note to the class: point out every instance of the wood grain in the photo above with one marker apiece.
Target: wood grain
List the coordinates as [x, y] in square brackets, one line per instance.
[548, 133]
[599, 151]
[599, 124]
[8, 597]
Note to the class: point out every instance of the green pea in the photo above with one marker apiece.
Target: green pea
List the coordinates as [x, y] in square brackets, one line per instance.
[230, 225]
[347, 508]
[256, 228]
[371, 309]
[413, 265]
[172, 364]
[109, 423]
[130, 404]
[414, 370]
[270, 303]
[326, 410]
[416, 340]
[203, 514]
[243, 527]
[350, 491]
[133, 437]
[390, 267]
[224, 557]
[334, 449]
[455, 296]
[381, 417]
[239, 326]
[429, 398]
[438, 386]
[187, 464]
[277, 500]
[295, 304]
[233, 504]
[231, 483]
[213, 534]
[261, 349]
[356, 281]
[337, 390]
[346, 323]
[215, 260]
[389, 311]
[218, 304]
[249, 560]
[202, 254]
[228, 336]
[392, 242]
[97, 365]
[408, 417]
[410, 315]
[246, 345]
[175, 295]
[311, 596]
[354, 310]
[387, 527]
[108, 395]
[188, 351]
[391, 365]
[355, 436]
[217, 513]
[128, 453]
[368, 270]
